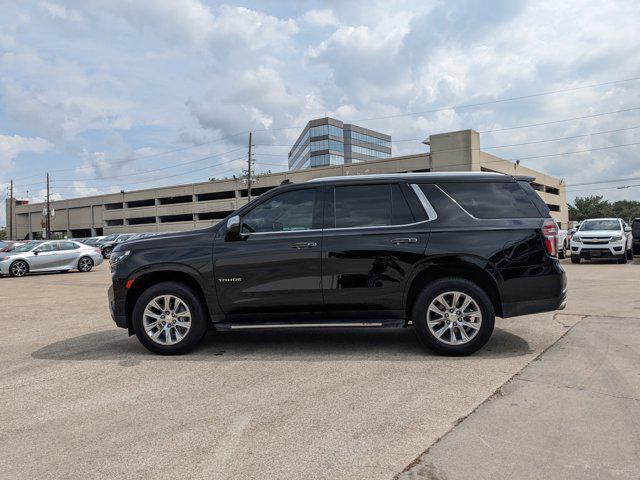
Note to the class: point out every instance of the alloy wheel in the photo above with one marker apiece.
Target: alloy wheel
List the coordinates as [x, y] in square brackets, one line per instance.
[454, 318]
[167, 319]
[19, 269]
[85, 264]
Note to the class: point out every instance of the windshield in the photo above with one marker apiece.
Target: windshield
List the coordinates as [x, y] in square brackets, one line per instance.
[26, 247]
[110, 238]
[124, 237]
[592, 225]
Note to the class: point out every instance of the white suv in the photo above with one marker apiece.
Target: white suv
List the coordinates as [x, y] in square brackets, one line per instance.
[602, 238]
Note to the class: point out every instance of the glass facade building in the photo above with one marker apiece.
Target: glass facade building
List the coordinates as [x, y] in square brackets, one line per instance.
[327, 141]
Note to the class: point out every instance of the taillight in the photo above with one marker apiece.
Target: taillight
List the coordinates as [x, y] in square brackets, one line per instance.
[550, 234]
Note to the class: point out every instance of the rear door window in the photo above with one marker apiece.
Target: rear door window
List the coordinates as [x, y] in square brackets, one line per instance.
[68, 246]
[492, 199]
[371, 206]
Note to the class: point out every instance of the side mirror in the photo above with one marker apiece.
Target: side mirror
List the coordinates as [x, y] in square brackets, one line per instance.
[233, 228]
[627, 228]
[36, 252]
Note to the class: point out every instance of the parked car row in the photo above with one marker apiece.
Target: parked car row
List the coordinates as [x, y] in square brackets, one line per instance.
[18, 258]
[49, 256]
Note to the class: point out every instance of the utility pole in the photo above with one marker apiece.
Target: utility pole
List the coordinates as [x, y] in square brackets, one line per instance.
[249, 171]
[10, 212]
[48, 220]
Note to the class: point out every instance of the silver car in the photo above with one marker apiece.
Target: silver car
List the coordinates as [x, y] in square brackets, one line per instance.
[49, 256]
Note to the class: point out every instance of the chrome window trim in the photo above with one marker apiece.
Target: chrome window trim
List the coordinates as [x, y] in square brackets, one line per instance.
[428, 208]
[459, 206]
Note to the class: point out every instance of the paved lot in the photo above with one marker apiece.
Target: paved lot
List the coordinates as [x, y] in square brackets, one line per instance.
[574, 414]
[80, 399]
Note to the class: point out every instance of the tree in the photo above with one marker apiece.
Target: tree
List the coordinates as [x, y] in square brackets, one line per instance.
[626, 209]
[595, 206]
[3, 234]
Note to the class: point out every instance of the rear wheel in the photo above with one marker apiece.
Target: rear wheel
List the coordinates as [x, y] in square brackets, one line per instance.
[169, 319]
[19, 268]
[575, 259]
[85, 264]
[453, 316]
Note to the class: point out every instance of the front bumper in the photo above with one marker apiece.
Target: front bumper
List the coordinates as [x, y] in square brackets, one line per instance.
[4, 267]
[117, 307]
[607, 250]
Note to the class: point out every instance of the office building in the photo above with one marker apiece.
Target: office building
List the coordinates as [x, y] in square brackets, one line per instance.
[327, 141]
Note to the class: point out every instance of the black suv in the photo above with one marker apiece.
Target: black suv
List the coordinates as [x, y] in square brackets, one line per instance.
[635, 232]
[443, 252]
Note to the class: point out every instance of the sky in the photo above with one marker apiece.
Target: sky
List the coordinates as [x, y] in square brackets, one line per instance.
[123, 95]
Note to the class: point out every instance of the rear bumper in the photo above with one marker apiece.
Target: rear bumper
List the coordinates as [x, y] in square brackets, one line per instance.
[535, 306]
[555, 287]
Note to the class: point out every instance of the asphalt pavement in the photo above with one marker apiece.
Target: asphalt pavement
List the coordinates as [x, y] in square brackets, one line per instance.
[81, 399]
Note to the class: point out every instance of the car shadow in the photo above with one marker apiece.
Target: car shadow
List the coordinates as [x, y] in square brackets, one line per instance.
[393, 344]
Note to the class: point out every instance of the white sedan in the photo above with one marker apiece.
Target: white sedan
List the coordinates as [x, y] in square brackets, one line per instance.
[49, 256]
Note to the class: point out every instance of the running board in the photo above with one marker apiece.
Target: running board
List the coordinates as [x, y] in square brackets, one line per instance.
[377, 323]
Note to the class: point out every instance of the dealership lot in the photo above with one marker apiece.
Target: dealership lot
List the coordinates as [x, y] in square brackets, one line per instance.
[80, 399]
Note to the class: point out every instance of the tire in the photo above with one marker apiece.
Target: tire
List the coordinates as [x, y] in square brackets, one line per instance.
[630, 254]
[575, 259]
[561, 255]
[85, 264]
[19, 268]
[198, 319]
[443, 345]
[623, 259]
[106, 253]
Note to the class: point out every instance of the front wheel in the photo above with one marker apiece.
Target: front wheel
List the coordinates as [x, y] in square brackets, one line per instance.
[453, 316]
[575, 259]
[623, 259]
[630, 254]
[19, 268]
[106, 252]
[169, 319]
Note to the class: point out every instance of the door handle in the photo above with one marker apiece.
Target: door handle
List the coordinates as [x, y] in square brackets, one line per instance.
[304, 245]
[399, 241]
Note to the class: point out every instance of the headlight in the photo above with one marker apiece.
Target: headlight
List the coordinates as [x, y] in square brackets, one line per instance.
[117, 257]
[616, 238]
[576, 239]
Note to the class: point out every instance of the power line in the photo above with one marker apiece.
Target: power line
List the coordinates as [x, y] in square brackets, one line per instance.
[143, 157]
[468, 105]
[462, 106]
[507, 145]
[208, 167]
[143, 172]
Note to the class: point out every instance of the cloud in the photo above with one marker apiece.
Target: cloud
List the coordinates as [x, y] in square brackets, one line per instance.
[320, 18]
[188, 21]
[161, 75]
[58, 11]
[11, 146]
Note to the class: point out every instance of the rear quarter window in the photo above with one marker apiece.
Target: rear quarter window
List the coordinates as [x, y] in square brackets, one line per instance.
[492, 199]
